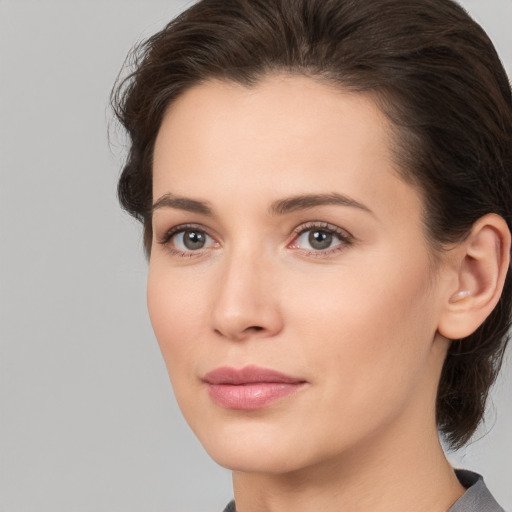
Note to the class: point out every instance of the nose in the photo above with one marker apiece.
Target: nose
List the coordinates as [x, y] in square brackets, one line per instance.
[246, 304]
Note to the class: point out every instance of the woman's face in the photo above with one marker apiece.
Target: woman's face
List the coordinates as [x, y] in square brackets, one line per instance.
[290, 285]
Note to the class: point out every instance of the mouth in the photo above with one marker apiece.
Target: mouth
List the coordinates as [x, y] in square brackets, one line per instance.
[249, 388]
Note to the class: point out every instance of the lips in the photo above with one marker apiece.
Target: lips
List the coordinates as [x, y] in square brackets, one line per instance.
[249, 388]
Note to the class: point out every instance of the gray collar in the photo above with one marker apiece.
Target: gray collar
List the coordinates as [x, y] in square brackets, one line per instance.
[477, 498]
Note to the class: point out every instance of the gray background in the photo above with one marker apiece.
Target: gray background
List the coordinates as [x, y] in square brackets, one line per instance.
[87, 417]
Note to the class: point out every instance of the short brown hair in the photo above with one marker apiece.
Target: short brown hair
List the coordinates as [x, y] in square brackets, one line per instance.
[433, 71]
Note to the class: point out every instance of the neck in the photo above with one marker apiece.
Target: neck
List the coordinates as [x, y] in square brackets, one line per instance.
[407, 471]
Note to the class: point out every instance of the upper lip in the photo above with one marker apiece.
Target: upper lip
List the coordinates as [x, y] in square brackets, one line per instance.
[248, 375]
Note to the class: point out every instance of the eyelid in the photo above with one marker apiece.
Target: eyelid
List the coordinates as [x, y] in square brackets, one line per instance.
[179, 228]
[343, 235]
[166, 238]
[322, 225]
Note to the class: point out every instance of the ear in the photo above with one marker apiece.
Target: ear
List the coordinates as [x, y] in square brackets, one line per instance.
[480, 265]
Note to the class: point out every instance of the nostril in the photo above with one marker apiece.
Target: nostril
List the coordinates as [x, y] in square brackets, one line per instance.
[241, 334]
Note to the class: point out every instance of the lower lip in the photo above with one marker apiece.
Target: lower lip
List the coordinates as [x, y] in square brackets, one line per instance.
[248, 397]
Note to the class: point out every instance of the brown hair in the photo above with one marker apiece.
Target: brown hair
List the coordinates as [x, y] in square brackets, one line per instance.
[433, 71]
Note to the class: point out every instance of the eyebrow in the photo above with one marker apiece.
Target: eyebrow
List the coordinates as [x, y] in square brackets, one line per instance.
[182, 203]
[279, 207]
[306, 201]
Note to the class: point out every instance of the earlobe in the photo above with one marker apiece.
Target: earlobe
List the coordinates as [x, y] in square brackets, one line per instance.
[481, 264]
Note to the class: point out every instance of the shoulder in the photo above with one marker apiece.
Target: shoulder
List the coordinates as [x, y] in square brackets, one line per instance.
[477, 497]
[230, 507]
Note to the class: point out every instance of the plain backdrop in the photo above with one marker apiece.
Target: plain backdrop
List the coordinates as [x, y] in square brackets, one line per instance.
[88, 421]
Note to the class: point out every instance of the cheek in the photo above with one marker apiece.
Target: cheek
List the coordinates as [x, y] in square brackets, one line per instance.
[368, 333]
[177, 316]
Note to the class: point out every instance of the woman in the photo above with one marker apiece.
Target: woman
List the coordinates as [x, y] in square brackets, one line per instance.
[325, 189]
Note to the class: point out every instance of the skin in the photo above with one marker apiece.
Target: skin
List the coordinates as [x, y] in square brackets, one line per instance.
[359, 321]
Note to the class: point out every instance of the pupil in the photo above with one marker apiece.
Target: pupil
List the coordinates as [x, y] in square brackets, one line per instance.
[320, 239]
[194, 240]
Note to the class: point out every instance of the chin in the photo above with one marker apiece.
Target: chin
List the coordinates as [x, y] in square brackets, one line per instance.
[254, 450]
[254, 460]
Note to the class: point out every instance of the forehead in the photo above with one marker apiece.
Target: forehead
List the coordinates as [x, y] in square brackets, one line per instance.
[285, 135]
[285, 109]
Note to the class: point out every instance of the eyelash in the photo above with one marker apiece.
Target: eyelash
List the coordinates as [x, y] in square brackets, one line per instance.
[345, 238]
[165, 240]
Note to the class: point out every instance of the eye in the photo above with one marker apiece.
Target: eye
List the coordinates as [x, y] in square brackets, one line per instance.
[187, 240]
[317, 239]
[190, 240]
[320, 238]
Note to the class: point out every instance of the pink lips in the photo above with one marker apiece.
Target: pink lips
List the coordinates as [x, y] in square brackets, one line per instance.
[249, 388]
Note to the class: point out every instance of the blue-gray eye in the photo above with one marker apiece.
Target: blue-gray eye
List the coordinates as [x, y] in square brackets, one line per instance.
[191, 240]
[318, 239]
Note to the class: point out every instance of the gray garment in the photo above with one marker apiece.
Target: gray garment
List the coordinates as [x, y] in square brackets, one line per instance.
[477, 497]
[230, 507]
